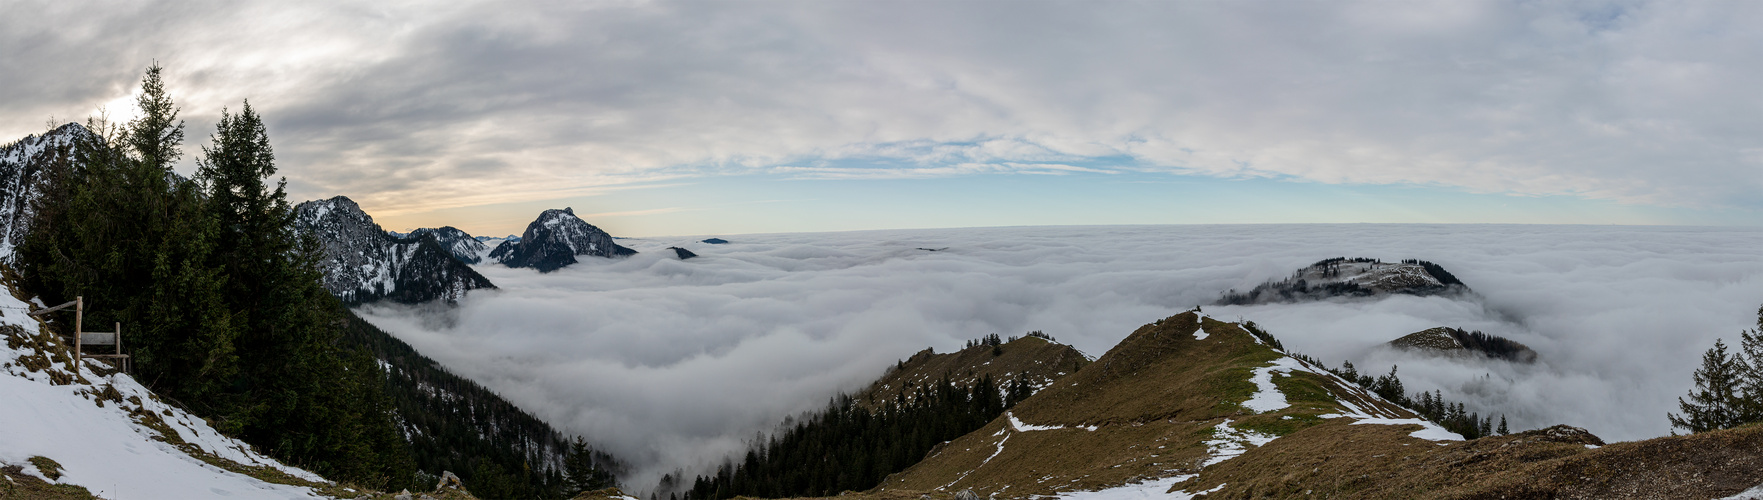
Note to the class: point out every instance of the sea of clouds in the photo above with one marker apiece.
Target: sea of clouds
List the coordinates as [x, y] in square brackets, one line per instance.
[675, 364]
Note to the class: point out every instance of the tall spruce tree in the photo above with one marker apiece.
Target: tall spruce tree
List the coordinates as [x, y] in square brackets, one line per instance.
[580, 472]
[1715, 402]
[306, 396]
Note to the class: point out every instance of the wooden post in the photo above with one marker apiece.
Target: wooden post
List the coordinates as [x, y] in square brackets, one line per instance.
[124, 362]
[79, 316]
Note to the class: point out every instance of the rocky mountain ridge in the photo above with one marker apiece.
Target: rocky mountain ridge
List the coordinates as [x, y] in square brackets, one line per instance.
[365, 264]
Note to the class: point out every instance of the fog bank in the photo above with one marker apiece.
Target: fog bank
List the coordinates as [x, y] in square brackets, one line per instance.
[672, 364]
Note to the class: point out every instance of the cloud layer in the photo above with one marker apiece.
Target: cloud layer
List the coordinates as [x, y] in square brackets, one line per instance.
[412, 106]
[675, 363]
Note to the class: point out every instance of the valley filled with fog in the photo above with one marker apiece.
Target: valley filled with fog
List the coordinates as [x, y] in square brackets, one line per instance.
[675, 363]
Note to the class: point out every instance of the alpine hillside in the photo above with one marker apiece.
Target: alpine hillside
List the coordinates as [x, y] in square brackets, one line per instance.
[362, 263]
[554, 240]
[1191, 405]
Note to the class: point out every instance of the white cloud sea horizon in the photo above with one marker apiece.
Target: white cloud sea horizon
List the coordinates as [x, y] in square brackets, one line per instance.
[675, 364]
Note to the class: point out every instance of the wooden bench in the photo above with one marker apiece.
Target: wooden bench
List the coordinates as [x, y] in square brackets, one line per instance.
[84, 338]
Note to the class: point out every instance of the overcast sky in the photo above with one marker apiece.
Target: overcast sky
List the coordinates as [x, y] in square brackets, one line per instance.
[726, 117]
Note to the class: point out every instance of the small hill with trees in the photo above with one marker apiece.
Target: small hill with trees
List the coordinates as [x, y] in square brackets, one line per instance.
[1455, 341]
[1359, 277]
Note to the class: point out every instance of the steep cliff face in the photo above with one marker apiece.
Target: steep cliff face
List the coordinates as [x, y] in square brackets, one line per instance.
[364, 264]
[22, 165]
[554, 240]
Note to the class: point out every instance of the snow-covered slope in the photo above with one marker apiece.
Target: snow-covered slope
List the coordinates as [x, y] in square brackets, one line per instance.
[554, 240]
[364, 264]
[463, 246]
[111, 435]
[22, 165]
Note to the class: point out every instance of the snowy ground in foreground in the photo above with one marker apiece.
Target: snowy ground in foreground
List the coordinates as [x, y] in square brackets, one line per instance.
[104, 449]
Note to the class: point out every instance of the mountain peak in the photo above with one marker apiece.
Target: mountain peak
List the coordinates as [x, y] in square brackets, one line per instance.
[554, 240]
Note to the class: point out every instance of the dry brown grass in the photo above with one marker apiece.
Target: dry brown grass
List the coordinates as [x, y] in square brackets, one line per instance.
[1336, 460]
[1154, 399]
[15, 484]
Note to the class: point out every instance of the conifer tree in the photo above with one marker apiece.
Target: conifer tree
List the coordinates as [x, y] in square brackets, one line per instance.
[1751, 372]
[1503, 429]
[119, 228]
[579, 472]
[1715, 402]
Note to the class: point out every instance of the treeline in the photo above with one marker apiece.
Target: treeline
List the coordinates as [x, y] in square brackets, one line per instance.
[848, 447]
[1729, 386]
[1438, 272]
[454, 424]
[997, 343]
[1493, 346]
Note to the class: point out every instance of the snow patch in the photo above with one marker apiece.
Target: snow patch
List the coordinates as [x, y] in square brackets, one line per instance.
[1430, 431]
[1755, 493]
[1229, 442]
[1019, 426]
[1267, 396]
